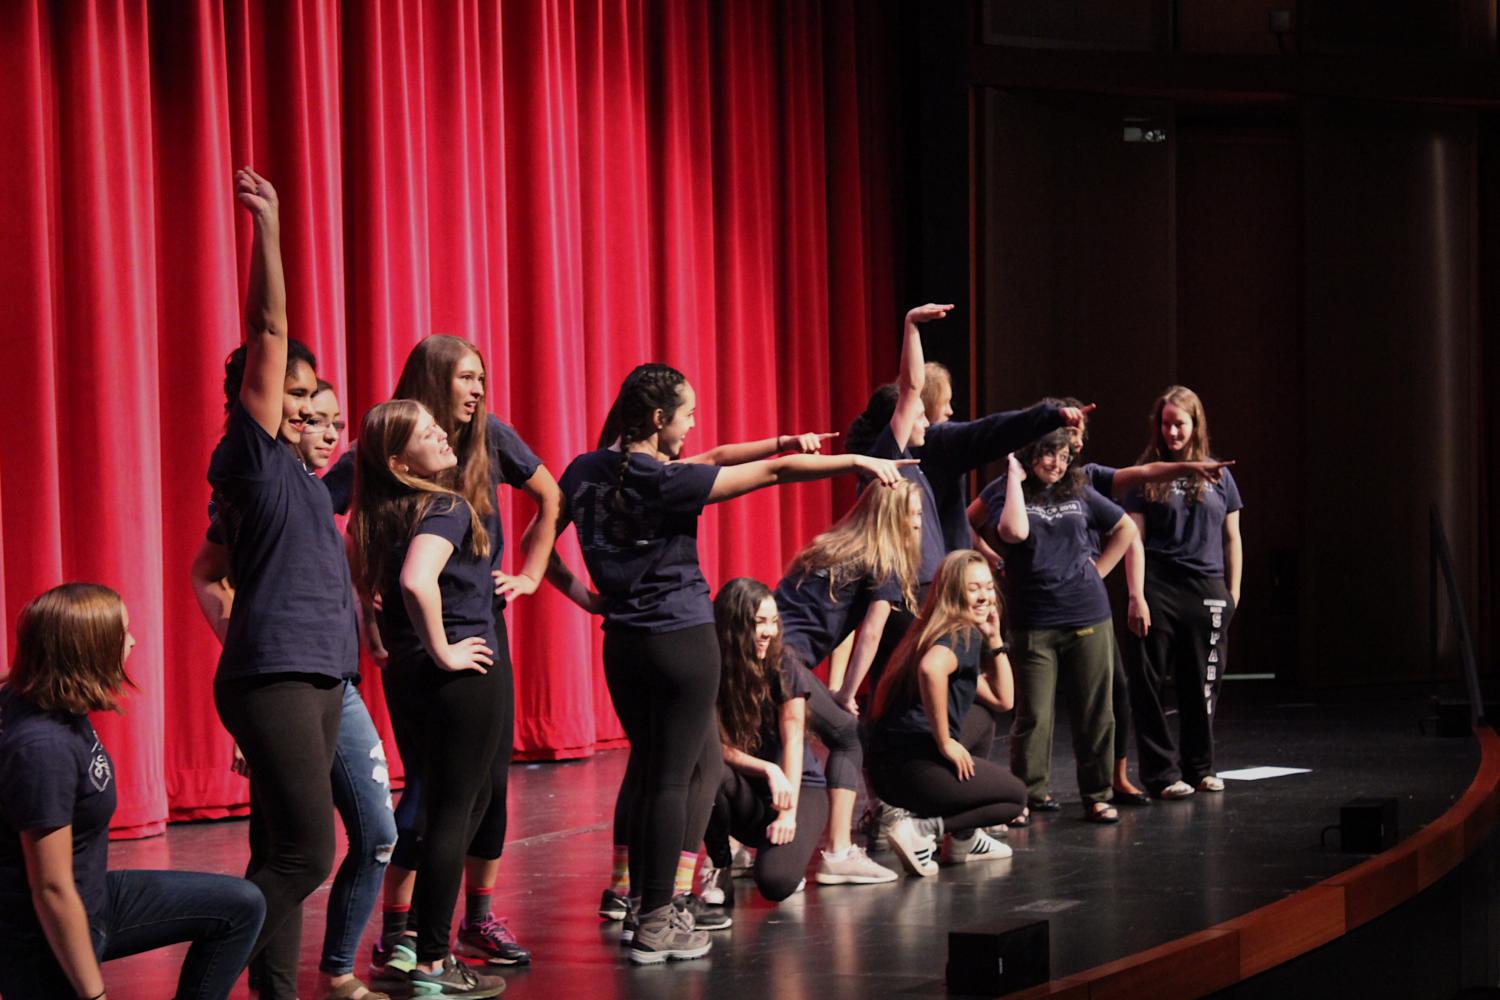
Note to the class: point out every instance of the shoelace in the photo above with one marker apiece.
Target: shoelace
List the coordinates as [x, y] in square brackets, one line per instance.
[494, 929]
[680, 920]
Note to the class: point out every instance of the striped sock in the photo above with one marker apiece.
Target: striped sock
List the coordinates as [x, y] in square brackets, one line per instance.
[687, 864]
[477, 905]
[619, 877]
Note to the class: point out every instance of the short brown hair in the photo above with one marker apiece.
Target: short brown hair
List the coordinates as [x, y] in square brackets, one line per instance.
[70, 645]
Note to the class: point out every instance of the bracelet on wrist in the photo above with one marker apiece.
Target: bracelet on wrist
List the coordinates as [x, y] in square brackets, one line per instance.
[1000, 650]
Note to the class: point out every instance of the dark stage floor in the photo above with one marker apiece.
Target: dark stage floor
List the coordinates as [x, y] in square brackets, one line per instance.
[1164, 871]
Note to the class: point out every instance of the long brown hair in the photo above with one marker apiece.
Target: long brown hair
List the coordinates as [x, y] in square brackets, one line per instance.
[70, 650]
[745, 680]
[1196, 450]
[388, 503]
[942, 614]
[873, 539]
[428, 378]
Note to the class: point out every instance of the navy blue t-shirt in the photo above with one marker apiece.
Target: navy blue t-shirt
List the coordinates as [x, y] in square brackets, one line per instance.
[787, 684]
[1049, 579]
[932, 535]
[464, 584]
[1189, 536]
[1102, 479]
[338, 479]
[294, 606]
[643, 555]
[814, 621]
[955, 448]
[53, 773]
[908, 717]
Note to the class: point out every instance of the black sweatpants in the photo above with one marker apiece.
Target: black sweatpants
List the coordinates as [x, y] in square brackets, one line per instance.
[742, 809]
[1189, 639]
[912, 774]
[664, 686]
[445, 725]
[287, 726]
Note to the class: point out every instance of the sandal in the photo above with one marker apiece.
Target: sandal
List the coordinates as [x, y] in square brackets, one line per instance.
[1176, 790]
[1211, 783]
[1046, 805]
[1022, 820]
[1101, 812]
[1124, 798]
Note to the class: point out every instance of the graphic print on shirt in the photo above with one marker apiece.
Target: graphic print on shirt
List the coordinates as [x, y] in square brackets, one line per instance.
[603, 526]
[1056, 511]
[99, 769]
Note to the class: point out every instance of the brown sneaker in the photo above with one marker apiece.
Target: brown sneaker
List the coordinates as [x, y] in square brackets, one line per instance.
[667, 933]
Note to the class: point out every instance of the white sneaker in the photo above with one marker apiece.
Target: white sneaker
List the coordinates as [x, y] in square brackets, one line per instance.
[929, 826]
[710, 885]
[977, 846]
[851, 867]
[915, 852]
[742, 862]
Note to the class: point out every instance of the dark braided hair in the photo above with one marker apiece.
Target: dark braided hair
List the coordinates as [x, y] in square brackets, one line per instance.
[877, 416]
[646, 389]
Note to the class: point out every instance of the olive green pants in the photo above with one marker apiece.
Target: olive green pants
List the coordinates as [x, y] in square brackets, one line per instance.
[1081, 662]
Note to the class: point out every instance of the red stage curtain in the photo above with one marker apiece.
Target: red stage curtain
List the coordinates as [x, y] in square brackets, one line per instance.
[575, 186]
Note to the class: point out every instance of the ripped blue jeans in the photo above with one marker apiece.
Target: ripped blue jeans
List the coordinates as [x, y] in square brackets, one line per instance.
[362, 794]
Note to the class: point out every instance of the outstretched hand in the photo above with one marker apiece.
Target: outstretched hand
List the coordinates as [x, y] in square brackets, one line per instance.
[810, 443]
[256, 194]
[929, 312]
[888, 471]
[1210, 471]
[1076, 416]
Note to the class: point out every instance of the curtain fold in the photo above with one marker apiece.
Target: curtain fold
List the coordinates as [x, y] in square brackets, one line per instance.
[575, 185]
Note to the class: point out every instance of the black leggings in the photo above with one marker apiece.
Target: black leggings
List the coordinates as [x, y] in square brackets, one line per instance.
[912, 774]
[742, 809]
[445, 728]
[1119, 694]
[287, 726]
[832, 723]
[664, 686]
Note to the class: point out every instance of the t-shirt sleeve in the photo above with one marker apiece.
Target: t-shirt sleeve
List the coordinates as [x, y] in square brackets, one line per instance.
[796, 680]
[1104, 513]
[39, 785]
[1101, 478]
[967, 444]
[510, 457]
[884, 445]
[685, 486]
[993, 496]
[448, 523]
[1232, 500]
[1134, 502]
[245, 452]
[887, 589]
[339, 479]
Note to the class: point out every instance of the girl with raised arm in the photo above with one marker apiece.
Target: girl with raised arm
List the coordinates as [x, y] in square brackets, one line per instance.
[1039, 517]
[636, 511]
[917, 760]
[1191, 531]
[291, 643]
[62, 913]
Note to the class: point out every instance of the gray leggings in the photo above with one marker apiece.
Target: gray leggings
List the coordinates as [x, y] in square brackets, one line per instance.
[832, 723]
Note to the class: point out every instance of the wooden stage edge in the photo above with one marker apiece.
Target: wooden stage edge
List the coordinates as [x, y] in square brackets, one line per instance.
[1233, 951]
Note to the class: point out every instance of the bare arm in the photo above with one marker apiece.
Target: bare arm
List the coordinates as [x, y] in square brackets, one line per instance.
[753, 451]
[984, 532]
[265, 305]
[741, 479]
[932, 682]
[838, 662]
[1014, 527]
[48, 856]
[783, 829]
[1115, 544]
[997, 684]
[1131, 476]
[425, 558]
[210, 573]
[913, 374]
[538, 539]
[865, 647]
[1138, 613]
[1234, 556]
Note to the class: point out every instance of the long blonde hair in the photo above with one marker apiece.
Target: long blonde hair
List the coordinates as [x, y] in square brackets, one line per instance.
[942, 614]
[389, 504]
[1196, 449]
[874, 539]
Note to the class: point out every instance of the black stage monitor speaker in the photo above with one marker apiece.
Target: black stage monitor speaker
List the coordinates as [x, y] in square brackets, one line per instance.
[1000, 957]
[1367, 826]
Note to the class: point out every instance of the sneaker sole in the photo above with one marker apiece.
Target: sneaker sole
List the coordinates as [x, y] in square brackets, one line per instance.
[413, 991]
[829, 878]
[468, 951]
[675, 955]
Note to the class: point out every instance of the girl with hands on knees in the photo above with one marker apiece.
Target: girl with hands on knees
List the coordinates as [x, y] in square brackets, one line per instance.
[772, 796]
[424, 548]
[916, 762]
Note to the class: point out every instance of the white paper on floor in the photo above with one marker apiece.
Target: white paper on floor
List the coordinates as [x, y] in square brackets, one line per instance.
[1257, 773]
